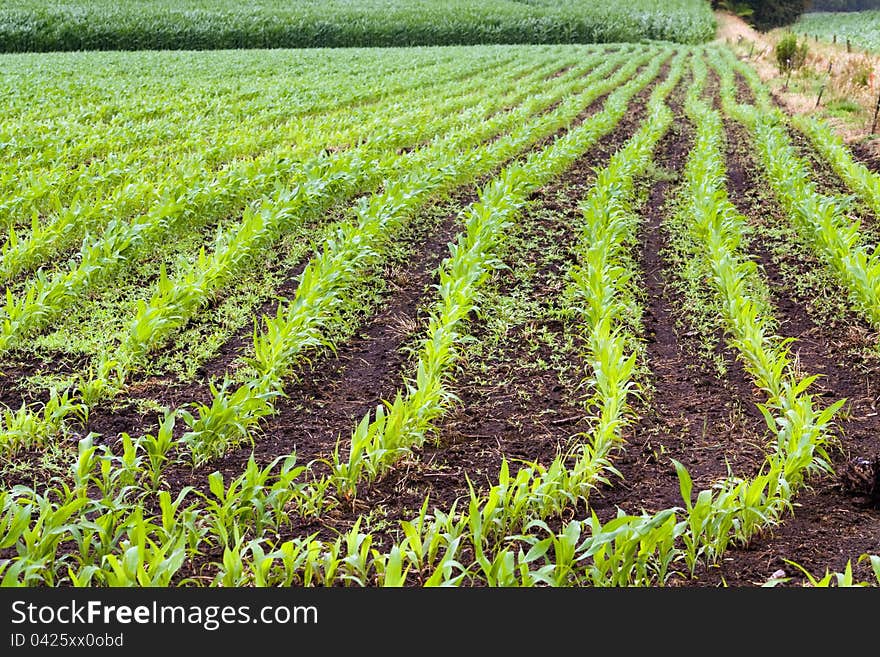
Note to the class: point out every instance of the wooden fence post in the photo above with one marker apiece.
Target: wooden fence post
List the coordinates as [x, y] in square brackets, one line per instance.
[876, 109]
[824, 83]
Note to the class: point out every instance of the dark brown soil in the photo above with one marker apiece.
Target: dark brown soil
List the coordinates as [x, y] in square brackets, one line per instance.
[558, 74]
[14, 390]
[867, 154]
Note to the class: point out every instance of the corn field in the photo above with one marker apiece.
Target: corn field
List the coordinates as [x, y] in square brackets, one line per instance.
[40, 26]
[544, 315]
[860, 28]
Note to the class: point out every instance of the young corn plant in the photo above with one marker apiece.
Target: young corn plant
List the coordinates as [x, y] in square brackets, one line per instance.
[143, 561]
[27, 427]
[157, 448]
[629, 550]
[49, 524]
[833, 579]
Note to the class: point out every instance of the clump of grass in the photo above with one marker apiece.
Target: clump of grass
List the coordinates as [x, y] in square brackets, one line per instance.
[790, 54]
[842, 107]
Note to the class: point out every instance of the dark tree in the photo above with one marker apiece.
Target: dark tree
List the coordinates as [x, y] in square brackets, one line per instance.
[765, 14]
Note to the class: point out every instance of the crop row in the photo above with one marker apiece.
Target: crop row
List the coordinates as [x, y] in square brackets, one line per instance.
[58, 107]
[323, 285]
[70, 201]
